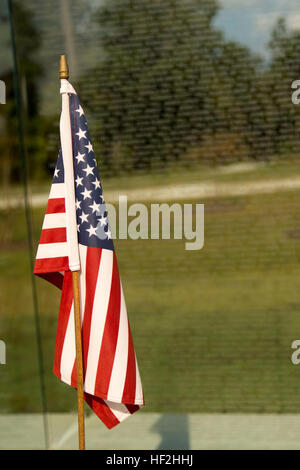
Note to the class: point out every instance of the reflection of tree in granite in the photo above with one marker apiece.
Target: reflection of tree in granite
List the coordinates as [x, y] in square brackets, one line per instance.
[174, 431]
[27, 38]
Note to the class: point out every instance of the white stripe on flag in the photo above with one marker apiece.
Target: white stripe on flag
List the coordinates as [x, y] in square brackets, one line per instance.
[68, 355]
[52, 250]
[57, 190]
[68, 352]
[118, 375]
[118, 409]
[139, 398]
[82, 276]
[100, 306]
[54, 220]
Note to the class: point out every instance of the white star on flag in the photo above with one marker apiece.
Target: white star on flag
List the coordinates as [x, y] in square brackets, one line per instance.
[80, 111]
[95, 207]
[86, 194]
[56, 171]
[89, 170]
[78, 181]
[89, 147]
[83, 217]
[81, 134]
[91, 230]
[103, 221]
[80, 157]
[108, 234]
[96, 183]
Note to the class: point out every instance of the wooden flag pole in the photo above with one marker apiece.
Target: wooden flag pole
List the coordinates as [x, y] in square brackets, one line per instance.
[79, 365]
[64, 74]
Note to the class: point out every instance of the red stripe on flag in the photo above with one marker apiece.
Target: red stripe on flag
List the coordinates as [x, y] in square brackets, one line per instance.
[74, 375]
[93, 259]
[56, 279]
[130, 381]
[54, 235]
[110, 335]
[132, 408]
[63, 318]
[56, 205]
[102, 410]
[51, 265]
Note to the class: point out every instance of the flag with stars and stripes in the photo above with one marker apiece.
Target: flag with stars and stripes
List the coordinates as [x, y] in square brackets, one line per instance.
[112, 383]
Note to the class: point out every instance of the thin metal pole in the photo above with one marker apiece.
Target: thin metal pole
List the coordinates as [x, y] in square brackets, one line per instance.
[28, 218]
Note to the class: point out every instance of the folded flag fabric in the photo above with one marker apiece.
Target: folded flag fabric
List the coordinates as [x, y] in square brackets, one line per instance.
[112, 383]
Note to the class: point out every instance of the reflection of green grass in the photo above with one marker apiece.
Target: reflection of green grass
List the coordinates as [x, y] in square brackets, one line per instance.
[275, 168]
[212, 329]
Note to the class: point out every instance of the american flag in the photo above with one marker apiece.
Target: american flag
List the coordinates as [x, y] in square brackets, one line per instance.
[112, 382]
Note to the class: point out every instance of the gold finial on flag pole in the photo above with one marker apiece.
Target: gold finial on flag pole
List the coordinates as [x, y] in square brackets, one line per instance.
[63, 68]
[64, 74]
